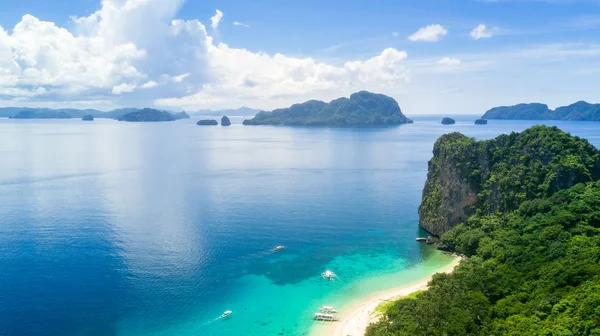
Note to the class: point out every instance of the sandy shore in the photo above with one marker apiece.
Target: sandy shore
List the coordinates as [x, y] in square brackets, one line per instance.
[355, 323]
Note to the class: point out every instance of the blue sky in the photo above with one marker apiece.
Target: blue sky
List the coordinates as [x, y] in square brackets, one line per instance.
[427, 54]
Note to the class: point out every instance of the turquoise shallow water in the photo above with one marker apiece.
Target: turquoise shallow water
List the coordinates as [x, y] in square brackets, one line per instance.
[110, 228]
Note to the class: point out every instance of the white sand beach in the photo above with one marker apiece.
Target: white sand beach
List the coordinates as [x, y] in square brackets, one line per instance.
[356, 322]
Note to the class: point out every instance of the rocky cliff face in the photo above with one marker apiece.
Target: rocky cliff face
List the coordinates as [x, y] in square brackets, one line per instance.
[498, 175]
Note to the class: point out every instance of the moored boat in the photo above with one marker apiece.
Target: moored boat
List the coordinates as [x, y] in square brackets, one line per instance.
[324, 317]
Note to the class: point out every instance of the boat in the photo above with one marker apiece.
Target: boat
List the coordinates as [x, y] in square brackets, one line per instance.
[279, 248]
[324, 317]
[329, 275]
[328, 310]
[226, 313]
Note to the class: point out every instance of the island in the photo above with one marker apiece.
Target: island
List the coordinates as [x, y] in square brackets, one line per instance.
[47, 113]
[523, 209]
[147, 115]
[225, 121]
[207, 122]
[579, 111]
[32, 114]
[88, 117]
[448, 121]
[181, 115]
[481, 122]
[361, 109]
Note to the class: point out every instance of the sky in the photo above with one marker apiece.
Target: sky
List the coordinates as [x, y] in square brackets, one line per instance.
[432, 56]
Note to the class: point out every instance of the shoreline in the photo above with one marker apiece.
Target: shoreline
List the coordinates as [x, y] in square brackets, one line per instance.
[356, 322]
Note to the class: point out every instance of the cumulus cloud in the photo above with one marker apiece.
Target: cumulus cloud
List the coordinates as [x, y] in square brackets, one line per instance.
[149, 84]
[130, 46]
[449, 61]
[122, 88]
[431, 33]
[482, 32]
[216, 19]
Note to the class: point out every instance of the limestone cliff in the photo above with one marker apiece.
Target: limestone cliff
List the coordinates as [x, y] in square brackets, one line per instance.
[466, 176]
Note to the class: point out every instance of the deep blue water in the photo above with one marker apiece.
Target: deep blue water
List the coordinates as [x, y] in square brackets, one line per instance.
[111, 228]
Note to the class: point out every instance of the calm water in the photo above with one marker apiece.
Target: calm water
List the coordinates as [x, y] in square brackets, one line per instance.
[111, 228]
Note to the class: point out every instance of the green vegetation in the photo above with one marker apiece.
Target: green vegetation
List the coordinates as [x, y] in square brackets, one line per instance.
[533, 248]
[532, 271]
[580, 110]
[361, 109]
[467, 176]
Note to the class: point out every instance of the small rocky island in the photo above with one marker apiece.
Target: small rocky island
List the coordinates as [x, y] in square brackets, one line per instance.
[579, 111]
[225, 121]
[448, 121]
[88, 117]
[361, 109]
[147, 115]
[480, 122]
[207, 122]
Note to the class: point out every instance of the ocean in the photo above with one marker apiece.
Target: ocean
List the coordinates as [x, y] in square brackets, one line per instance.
[113, 228]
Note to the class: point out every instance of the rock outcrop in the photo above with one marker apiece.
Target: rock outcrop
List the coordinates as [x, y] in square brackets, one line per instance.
[480, 122]
[207, 122]
[448, 121]
[88, 117]
[465, 175]
[225, 121]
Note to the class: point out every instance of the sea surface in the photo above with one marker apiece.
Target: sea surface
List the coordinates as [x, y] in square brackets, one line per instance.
[113, 228]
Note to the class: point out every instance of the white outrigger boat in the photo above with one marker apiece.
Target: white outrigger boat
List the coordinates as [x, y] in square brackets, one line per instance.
[324, 317]
[226, 313]
[329, 275]
[328, 310]
[279, 248]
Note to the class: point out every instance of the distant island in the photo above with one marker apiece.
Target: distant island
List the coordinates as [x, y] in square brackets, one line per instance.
[151, 115]
[46, 113]
[579, 111]
[480, 122]
[207, 122]
[448, 121]
[88, 117]
[38, 115]
[225, 121]
[361, 109]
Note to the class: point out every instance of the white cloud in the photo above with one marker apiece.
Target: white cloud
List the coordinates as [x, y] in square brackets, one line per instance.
[396, 34]
[149, 84]
[180, 78]
[237, 23]
[449, 61]
[131, 45]
[122, 88]
[482, 32]
[280, 80]
[431, 33]
[216, 19]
